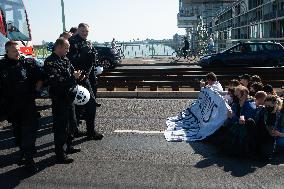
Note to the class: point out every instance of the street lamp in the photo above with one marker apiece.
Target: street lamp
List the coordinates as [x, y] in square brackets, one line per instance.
[63, 15]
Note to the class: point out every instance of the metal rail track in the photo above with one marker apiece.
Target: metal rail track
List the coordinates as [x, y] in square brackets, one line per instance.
[177, 78]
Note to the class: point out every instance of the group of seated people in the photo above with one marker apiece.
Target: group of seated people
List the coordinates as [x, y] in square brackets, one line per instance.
[255, 124]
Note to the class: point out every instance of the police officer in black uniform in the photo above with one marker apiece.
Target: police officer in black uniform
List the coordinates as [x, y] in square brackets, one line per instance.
[62, 80]
[19, 80]
[83, 56]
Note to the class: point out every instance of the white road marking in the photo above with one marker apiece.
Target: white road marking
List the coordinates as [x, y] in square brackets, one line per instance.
[138, 132]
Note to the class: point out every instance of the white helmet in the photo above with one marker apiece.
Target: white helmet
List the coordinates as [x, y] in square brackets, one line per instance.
[82, 95]
[98, 70]
[39, 63]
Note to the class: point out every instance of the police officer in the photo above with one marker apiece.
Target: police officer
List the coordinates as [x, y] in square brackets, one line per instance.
[19, 79]
[62, 80]
[83, 56]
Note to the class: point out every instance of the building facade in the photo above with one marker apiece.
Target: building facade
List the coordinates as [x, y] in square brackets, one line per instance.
[195, 16]
[249, 20]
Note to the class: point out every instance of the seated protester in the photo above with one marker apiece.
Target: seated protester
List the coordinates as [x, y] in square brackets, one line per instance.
[241, 125]
[245, 80]
[211, 82]
[230, 96]
[260, 97]
[233, 83]
[267, 121]
[255, 87]
[255, 78]
[278, 132]
[269, 89]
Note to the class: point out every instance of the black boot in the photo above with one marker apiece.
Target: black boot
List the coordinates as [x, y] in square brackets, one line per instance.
[30, 166]
[95, 136]
[63, 159]
[72, 150]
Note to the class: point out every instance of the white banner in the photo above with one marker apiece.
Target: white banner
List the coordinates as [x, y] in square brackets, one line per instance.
[200, 119]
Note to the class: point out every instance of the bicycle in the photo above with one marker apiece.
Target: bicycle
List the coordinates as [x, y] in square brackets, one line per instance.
[178, 54]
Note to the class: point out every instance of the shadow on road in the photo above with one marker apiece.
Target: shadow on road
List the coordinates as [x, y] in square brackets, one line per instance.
[238, 167]
[12, 178]
[7, 137]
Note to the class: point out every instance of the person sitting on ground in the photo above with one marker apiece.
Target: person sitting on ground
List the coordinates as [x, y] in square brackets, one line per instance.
[255, 78]
[211, 82]
[245, 80]
[259, 100]
[241, 126]
[260, 97]
[230, 96]
[255, 87]
[267, 124]
[269, 89]
[233, 83]
[278, 132]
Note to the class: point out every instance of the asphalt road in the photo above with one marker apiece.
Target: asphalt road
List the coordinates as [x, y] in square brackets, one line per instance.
[131, 160]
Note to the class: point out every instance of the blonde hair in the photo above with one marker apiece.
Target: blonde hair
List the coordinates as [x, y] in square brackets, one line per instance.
[242, 89]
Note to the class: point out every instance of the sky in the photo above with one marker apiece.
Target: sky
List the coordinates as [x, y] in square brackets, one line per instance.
[123, 20]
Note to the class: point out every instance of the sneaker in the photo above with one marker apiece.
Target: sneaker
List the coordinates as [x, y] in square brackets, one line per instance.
[72, 150]
[98, 105]
[63, 159]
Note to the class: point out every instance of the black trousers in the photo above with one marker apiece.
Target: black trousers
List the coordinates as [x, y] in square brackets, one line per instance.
[23, 116]
[64, 124]
[89, 109]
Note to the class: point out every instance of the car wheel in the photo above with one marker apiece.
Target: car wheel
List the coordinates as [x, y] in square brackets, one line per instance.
[106, 63]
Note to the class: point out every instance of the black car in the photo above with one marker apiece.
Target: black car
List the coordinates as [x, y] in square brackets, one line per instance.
[107, 57]
[247, 54]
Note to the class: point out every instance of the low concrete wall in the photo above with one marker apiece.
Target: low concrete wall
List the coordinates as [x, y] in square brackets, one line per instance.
[146, 94]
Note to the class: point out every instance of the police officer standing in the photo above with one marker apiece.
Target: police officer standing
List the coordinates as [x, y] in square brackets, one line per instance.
[62, 80]
[19, 79]
[83, 56]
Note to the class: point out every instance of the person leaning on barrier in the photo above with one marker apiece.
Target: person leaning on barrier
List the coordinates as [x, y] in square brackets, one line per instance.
[83, 57]
[62, 79]
[19, 80]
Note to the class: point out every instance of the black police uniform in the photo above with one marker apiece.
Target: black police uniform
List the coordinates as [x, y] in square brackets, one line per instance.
[60, 78]
[18, 79]
[83, 56]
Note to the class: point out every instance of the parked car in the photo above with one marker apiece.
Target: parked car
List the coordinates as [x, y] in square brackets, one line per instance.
[107, 58]
[247, 54]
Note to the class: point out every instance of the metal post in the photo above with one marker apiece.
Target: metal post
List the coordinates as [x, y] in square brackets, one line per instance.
[63, 15]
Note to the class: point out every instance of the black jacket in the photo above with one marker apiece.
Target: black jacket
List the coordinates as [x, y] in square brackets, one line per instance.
[82, 54]
[18, 78]
[60, 78]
